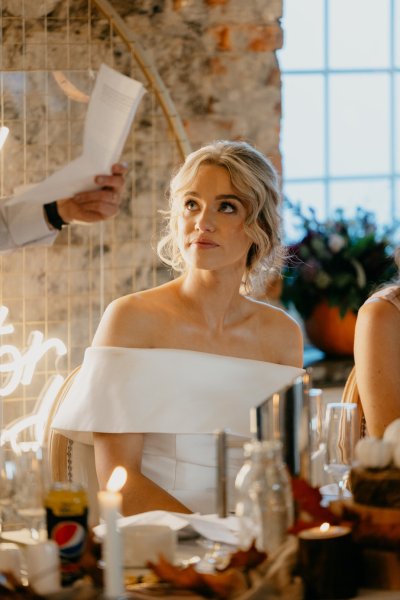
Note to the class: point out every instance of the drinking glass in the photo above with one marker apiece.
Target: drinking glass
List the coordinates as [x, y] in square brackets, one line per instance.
[7, 486]
[30, 486]
[316, 441]
[341, 435]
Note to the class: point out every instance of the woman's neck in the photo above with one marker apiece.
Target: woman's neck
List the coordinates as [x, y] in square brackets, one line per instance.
[214, 296]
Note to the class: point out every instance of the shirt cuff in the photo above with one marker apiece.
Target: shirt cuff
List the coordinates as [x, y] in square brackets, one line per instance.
[27, 224]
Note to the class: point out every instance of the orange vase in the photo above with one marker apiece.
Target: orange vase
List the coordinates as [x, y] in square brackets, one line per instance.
[329, 332]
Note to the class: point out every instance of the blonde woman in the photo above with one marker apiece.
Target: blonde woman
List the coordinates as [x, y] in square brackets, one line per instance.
[170, 364]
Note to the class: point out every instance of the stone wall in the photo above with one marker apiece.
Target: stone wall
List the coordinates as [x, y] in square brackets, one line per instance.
[216, 58]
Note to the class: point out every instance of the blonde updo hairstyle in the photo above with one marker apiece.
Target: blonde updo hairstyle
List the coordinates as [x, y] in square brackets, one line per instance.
[256, 182]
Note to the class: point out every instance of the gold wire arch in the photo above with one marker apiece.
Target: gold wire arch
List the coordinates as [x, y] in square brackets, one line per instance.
[150, 72]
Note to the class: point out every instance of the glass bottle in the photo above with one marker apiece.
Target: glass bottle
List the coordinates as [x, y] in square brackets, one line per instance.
[264, 502]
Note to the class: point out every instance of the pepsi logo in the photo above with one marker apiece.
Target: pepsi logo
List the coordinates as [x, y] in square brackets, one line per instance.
[70, 537]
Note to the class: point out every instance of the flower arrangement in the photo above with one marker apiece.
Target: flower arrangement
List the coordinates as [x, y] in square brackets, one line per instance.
[339, 261]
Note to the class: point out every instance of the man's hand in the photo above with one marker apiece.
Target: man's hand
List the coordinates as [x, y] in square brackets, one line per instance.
[96, 205]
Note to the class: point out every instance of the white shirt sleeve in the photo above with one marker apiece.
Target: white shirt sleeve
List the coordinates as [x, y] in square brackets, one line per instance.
[22, 225]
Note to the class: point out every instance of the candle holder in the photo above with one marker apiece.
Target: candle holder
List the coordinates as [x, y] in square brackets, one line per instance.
[328, 563]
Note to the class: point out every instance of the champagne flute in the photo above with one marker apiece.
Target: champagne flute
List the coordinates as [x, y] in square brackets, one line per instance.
[341, 435]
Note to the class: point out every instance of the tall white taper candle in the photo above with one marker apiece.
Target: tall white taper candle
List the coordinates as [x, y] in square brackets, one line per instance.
[110, 504]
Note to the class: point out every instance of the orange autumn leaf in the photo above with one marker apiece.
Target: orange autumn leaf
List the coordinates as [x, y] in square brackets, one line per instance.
[246, 559]
[221, 584]
[186, 578]
[225, 584]
[308, 500]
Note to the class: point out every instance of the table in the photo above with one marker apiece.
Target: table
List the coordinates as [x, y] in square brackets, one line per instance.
[263, 588]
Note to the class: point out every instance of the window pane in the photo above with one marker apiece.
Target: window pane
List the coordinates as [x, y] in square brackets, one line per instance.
[396, 24]
[310, 195]
[397, 210]
[359, 33]
[372, 195]
[359, 124]
[397, 125]
[302, 126]
[303, 35]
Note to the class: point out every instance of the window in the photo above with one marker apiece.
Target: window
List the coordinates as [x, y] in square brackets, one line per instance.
[340, 138]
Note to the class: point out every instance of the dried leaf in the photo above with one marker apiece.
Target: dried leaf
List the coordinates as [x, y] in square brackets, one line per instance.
[246, 559]
[186, 578]
[308, 500]
[221, 584]
[226, 584]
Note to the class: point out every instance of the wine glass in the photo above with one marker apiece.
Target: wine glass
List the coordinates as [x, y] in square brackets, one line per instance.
[30, 486]
[341, 435]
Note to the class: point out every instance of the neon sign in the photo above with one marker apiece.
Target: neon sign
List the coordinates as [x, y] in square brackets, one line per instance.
[19, 369]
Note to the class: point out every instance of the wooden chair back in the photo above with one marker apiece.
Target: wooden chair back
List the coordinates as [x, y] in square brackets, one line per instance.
[351, 394]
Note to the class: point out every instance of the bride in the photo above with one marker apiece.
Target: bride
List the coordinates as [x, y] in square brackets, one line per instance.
[171, 364]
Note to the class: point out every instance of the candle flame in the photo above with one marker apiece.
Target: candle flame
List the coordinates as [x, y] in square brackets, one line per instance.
[117, 479]
[324, 527]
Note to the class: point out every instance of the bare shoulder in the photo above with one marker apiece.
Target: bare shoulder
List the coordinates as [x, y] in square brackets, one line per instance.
[378, 323]
[275, 316]
[378, 312]
[130, 321]
[280, 331]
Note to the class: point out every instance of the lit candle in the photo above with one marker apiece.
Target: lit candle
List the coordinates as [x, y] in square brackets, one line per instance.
[326, 559]
[110, 504]
[323, 532]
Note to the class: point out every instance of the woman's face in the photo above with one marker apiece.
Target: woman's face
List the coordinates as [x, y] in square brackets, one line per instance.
[210, 223]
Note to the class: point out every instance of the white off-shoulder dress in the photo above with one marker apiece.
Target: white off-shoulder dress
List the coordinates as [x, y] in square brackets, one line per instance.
[177, 398]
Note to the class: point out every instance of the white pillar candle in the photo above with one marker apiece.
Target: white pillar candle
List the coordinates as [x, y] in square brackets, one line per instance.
[110, 504]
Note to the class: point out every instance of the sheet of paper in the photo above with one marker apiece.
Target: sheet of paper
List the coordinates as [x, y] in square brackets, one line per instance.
[211, 527]
[112, 107]
[215, 528]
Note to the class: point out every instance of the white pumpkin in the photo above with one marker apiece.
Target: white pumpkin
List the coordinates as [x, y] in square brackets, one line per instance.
[392, 432]
[374, 453]
[396, 455]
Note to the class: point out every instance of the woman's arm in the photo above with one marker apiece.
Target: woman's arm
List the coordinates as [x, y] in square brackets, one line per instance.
[140, 494]
[124, 324]
[377, 359]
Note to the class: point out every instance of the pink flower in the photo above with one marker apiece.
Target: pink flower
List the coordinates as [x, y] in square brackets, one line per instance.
[336, 242]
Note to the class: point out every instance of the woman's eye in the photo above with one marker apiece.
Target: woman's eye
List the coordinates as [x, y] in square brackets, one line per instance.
[190, 204]
[227, 207]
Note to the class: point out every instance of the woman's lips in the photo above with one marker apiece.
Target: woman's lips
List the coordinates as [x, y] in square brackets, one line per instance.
[204, 243]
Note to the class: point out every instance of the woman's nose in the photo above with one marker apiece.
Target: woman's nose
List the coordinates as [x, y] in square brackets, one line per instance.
[205, 221]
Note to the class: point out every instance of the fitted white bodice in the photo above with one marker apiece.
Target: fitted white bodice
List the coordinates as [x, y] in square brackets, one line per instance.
[177, 398]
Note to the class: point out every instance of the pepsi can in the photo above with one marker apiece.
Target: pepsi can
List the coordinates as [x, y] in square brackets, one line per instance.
[67, 524]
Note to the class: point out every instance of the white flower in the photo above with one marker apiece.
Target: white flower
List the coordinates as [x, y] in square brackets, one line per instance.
[336, 242]
[360, 273]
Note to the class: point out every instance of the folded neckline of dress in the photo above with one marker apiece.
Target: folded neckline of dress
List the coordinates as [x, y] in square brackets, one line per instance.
[157, 390]
[194, 352]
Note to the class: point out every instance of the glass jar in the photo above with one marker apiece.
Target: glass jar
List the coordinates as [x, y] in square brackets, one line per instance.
[264, 502]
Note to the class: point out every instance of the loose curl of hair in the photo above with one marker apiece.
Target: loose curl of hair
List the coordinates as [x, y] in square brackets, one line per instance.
[256, 182]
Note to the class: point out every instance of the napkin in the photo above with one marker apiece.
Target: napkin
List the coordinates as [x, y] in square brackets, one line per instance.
[212, 527]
